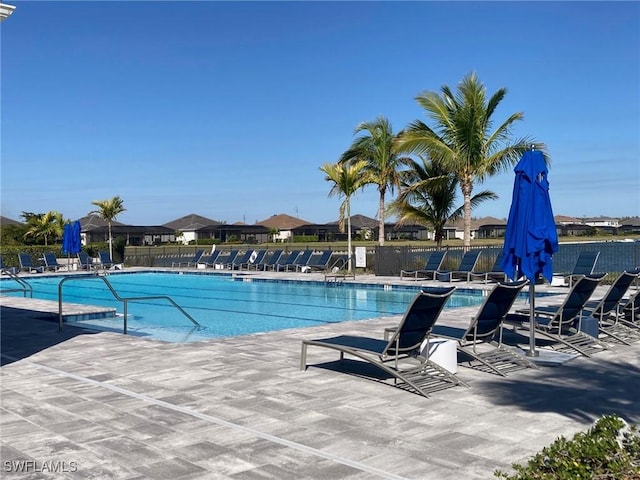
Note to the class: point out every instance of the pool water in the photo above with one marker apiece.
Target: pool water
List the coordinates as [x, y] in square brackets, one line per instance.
[229, 305]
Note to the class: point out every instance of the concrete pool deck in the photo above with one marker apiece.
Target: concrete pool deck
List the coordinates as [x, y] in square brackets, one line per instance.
[102, 405]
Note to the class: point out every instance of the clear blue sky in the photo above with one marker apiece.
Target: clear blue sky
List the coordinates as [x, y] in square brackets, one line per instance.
[228, 109]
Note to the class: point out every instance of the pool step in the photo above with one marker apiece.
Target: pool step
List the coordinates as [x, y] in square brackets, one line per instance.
[71, 312]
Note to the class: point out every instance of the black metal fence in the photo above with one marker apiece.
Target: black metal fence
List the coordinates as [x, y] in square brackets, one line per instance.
[615, 257]
[165, 255]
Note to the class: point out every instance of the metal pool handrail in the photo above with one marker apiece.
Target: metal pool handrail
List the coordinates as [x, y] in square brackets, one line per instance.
[26, 286]
[119, 298]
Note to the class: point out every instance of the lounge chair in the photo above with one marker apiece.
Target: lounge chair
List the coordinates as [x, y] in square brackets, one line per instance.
[434, 262]
[318, 262]
[192, 262]
[85, 262]
[400, 357]
[561, 324]
[51, 262]
[210, 260]
[243, 259]
[485, 332]
[27, 264]
[225, 259]
[267, 263]
[464, 270]
[629, 310]
[301, 260]
[607, 313]
[585, 264]
[283, 261]
[105, 262]
[496, 273]
[255, 257]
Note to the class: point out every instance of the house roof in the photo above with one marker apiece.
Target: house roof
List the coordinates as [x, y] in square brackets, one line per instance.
[491, 221]
[561, 219]
[190, 222]
[360, 221]
[631, 222]
[476, 223]
[94, 221]
[283, 222]
[5, 221]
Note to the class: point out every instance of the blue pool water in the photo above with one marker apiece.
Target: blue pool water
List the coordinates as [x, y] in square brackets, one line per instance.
[230, 306]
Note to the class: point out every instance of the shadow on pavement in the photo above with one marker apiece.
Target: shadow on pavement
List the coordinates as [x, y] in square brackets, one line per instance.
[24, 333]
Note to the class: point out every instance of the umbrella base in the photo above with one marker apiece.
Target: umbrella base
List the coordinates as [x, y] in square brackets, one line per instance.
[552, 358]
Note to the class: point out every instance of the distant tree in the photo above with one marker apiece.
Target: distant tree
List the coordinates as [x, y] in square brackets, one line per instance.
[44, 226]
[109, 210]
[12, 234]
[428, 197]
[274, 232]
[346, 180]
[375, 147]
[463, 138]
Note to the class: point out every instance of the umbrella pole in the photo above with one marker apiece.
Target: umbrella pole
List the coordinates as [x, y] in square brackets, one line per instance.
[532, 319]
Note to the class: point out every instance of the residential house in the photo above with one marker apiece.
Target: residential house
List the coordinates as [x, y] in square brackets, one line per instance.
[602, 222]
[93, 228]
[630, 226]
[237, 232]
[490, 227]
[190, 227]
[283, 226]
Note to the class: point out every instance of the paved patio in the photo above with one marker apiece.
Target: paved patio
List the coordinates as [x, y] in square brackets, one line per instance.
[102, 405]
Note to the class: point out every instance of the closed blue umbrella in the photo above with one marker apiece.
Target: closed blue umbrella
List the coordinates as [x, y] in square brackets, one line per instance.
[67, 235]
[76, 244]
[531, 238]
[71, 243]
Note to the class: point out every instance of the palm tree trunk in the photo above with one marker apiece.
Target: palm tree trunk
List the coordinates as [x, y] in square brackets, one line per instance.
[466, 192]
[381, 217]
[110, 243]
[348, 235]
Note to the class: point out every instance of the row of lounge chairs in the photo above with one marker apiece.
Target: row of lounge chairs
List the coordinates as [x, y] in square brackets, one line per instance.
[49, 262]
[490, 341]
[277, 260]
[466, 270]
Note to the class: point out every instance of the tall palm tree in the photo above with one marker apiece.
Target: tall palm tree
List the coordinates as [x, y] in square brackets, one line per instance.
[376, 148]
[44, 225]
[428, 195]
[463, 138]
[108, 210]
[346, 179]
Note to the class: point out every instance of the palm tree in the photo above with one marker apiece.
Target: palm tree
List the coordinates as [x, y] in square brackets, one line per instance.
[347, 179]
[108, 210]
[463, 139]
[428, 195]
[376, 148]
[44, 225]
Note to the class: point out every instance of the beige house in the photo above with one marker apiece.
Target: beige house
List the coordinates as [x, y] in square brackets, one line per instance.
[283, 225]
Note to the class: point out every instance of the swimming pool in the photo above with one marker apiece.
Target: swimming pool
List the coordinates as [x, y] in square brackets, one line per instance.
[227, 305]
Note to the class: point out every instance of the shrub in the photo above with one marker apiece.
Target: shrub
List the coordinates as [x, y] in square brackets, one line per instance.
[305, 238]
[610, 450]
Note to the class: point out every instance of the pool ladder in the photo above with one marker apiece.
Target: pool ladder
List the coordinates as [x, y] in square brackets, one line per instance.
[125, 301]
[336, 272]
[26, 287]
